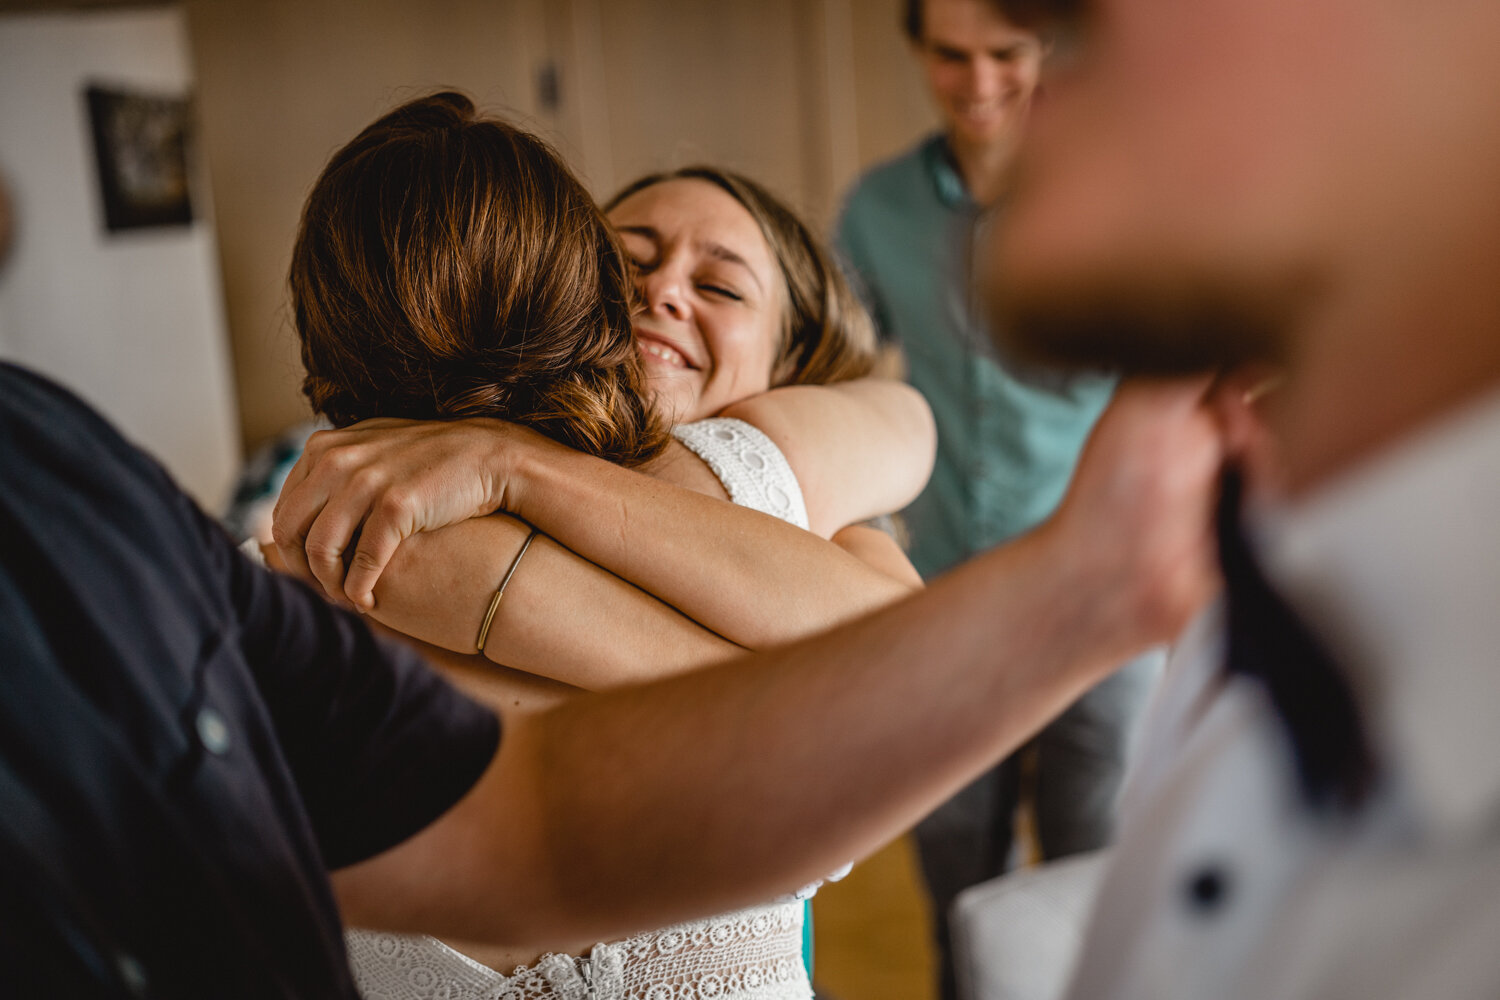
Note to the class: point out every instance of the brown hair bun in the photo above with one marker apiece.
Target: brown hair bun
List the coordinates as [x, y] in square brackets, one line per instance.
[449, 265]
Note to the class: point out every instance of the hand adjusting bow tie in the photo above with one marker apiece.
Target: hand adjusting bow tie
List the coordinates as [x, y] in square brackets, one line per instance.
[1268, 641]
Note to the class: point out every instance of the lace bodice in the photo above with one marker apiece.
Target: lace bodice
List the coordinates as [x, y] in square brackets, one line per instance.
[753, 470]
[753, 954]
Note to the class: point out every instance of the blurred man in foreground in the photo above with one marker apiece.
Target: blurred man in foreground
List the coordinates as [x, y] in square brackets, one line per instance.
[1315, 186]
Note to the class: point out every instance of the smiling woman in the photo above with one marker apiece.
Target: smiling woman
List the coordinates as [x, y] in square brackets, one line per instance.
[708, 331]
[724, 269]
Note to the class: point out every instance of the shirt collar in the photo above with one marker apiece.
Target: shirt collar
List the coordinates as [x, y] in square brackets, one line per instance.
[1398, 567]
[946, 180]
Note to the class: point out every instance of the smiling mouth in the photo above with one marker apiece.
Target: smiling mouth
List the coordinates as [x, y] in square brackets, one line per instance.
[983, 110]
[654, 351]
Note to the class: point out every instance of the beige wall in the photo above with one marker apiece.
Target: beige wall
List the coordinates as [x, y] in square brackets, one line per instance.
[891, 105]
[798, 93]
[281, 83]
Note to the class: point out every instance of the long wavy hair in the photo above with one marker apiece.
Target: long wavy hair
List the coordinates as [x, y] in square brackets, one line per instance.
[449, 265]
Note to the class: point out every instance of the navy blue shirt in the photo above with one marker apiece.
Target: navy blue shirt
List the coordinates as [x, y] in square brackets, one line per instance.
[187, 742]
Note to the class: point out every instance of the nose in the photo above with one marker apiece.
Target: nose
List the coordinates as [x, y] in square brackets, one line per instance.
[985, 78]
[663, 291]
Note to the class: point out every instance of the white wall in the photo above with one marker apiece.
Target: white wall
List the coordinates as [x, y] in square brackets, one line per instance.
[133, 321]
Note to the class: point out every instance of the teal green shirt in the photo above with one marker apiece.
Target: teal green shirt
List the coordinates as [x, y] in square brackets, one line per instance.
[1008, 435]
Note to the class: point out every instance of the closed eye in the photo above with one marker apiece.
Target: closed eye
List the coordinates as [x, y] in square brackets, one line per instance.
[721, 291]
[642, 247]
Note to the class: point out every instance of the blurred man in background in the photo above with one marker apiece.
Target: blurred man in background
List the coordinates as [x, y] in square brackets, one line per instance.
[1009, 433]
[1314, 186]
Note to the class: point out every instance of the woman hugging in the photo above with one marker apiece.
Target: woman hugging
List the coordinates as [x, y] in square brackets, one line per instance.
[531, 391]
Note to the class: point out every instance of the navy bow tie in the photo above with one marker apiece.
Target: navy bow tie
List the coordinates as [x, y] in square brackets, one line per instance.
[1267, 640]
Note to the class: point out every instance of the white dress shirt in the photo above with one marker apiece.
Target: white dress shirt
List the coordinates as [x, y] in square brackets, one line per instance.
[1222, 886]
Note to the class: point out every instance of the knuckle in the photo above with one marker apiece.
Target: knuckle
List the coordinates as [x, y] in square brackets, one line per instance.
[283, 536]
[323, 552]
[364, 561]
[394, 501]
[342, 461]
[317, 441]
[366, 479]
[323, 442]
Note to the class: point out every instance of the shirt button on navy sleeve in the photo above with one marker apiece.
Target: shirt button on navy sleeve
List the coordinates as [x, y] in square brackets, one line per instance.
[1206, 889]
[132, 975]
[213, 732]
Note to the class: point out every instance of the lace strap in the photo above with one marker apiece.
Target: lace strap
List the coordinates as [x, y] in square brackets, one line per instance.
[753, 470]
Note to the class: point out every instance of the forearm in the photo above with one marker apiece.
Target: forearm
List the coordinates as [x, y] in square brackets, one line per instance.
[697, 794]
[561, 617]
[637, 807]
[503, 689]
[750, 577]
[879, 722]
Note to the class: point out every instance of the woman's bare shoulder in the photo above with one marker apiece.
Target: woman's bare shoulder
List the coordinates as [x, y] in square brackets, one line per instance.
[680, 467]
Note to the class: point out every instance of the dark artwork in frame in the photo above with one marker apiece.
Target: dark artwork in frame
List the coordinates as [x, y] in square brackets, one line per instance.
[141, 145]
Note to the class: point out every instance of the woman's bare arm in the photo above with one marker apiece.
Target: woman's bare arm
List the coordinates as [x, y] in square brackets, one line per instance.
[513, 692]
[563, 624]
[561, 617]
[752, 578]
[860, 449]
[874, 547]
[748, 577]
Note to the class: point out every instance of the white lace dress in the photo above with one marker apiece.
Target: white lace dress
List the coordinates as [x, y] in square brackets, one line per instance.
[753, 954]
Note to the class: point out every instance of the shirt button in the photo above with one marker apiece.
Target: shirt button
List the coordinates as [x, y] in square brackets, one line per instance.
[1206, 890]
[132, 974]
[213, 732]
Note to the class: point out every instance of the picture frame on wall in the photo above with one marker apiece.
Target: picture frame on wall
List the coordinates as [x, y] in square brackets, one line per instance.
[141, 144]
